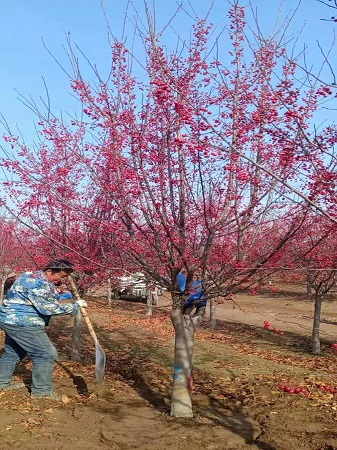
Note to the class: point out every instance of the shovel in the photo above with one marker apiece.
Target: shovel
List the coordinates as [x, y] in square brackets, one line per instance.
[100, 354]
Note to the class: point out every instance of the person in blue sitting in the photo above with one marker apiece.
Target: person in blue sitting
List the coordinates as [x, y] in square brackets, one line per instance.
[197, 298]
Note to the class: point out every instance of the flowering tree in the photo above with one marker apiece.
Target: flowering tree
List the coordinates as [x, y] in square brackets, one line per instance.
[13, 254]
[189, 170]
[312, 254]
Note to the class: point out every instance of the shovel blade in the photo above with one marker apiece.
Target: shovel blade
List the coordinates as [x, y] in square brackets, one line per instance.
[100, 363]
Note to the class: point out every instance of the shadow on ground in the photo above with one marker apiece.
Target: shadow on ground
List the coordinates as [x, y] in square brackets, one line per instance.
[133, 367]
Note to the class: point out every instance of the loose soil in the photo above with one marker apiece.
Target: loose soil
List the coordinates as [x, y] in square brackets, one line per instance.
[238, 367]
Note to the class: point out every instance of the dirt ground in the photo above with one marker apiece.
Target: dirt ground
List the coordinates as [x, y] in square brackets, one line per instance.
[238, 403]
[289, 309]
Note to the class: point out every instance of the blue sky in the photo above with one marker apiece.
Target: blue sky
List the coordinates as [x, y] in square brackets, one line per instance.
[25, 61]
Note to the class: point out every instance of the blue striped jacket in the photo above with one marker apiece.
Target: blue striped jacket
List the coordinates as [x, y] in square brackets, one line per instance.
[32, 300]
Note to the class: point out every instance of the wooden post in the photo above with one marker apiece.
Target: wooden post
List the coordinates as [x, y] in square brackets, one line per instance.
[149, 301]
[109, 295]
[212, 314]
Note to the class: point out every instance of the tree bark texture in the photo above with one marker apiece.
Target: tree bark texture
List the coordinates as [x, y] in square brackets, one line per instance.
[155, 297]
[109, 293]
[309, 288]
[149, 302]
[2, 288]
[315, 343]
[212, 314]
[181, 405]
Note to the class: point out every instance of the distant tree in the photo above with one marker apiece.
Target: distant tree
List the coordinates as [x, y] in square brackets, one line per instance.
[313, 255]
[13, 255]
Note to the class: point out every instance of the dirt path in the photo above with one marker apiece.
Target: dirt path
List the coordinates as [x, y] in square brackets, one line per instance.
[290, 312]
[237, 403]
[114, 417]
[126, 412]
[287, 315]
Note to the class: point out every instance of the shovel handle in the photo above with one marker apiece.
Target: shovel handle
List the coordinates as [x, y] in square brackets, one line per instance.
[85, 316]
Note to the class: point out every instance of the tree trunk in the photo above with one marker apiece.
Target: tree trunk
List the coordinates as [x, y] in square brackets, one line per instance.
[155, 297]
[309, 289]
[181, 405]
[309, 284]
[109, 293]
[149, 302]
[212, 314]
[2, 288]
[315, 343]
[261, 284]
[76, 338]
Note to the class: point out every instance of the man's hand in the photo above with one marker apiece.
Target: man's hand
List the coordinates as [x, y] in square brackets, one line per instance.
[81, 303]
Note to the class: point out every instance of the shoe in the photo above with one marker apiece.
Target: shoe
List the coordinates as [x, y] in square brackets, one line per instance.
[52, 396]
[13, 386]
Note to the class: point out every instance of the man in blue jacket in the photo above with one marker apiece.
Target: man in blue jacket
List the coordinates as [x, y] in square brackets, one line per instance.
[25, 312]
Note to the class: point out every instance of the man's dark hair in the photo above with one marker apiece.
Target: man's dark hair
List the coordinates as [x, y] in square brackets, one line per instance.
[8, 283]
[56, 265]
